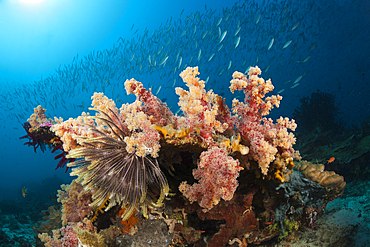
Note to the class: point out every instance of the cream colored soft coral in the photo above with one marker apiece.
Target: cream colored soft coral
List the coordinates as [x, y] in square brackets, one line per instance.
[38, 117]
[199, 106]
[70, 130]
[144, 139]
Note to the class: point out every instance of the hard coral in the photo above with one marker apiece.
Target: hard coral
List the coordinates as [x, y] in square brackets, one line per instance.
[315, 172]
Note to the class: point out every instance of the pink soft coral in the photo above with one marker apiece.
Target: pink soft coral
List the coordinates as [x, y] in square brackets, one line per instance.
[158, 111]
[75, 202]
[67, 236]
[266, 138]
[217, 173]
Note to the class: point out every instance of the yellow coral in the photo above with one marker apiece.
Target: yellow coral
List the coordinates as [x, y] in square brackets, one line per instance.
[100, 209]
[169, 132]
[87, 235]
[283, 167]
[237, 147]
[90, 239]
[232, 144]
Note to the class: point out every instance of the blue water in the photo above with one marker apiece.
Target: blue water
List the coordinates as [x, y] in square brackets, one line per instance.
[57, 53]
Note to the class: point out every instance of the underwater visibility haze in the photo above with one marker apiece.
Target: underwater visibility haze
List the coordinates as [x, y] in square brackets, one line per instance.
[184, 123]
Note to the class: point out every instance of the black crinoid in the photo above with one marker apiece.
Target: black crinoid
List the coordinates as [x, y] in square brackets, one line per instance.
[109, 171]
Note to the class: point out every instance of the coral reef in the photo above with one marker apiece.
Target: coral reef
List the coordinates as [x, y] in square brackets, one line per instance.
[129, 159]
[136, 129]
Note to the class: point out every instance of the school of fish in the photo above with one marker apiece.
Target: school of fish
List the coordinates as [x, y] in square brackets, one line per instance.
[278, 37]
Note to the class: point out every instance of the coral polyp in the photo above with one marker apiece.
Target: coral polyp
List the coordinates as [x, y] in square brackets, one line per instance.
[109, 171]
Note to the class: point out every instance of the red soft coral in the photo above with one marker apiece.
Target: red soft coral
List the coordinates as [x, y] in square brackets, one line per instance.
[217, 173]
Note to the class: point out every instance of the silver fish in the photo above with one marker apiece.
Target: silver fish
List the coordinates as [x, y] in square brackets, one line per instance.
[237, 31]
[159, 89]
[295, 26]
[237, 42]
[306, 59]
[204, 35]
[287, 44]
[163, 61]
[219, 21]
[180, 62]
[295, 85]
[228, 67]
[222, 36]
[258, 18]
[211, 57]
[271, 43]
[247, 70]
[313, 46]
[298, 79]
[199, 54]
[284, 11]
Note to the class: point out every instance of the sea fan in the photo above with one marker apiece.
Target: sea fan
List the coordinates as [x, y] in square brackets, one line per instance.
[109, 171]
